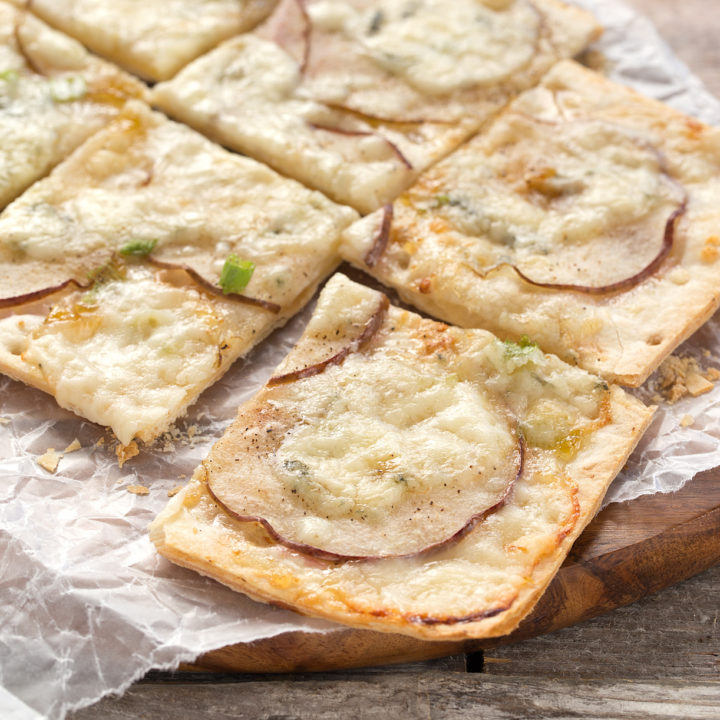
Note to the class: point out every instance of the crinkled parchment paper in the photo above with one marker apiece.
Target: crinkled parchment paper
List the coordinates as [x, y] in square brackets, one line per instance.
[87, 605]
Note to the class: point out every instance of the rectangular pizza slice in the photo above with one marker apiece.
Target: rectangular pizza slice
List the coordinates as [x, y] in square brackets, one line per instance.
[53, 95]
[145, 264]
[355, 99]
[402, 475]
[585, 217]
[152, 38]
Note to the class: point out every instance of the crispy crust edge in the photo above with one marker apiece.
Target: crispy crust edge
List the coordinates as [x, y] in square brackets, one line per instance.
[212, 547]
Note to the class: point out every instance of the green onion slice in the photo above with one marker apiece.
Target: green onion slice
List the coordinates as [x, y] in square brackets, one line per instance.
[138, 247]
[236, 275]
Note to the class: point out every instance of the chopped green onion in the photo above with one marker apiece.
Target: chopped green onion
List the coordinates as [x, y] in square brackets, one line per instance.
[236, 274]
[9, 76]
[522, 348]
[67, 88]
[442, 200]
[138, 247]
[109, 272]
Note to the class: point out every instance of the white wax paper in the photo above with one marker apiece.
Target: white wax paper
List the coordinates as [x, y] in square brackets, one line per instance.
[87, 605]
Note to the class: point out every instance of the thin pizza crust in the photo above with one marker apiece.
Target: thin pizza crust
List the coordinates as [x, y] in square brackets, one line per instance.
[53, 96]
[584, 217]
[356, 99]
[130, 340]
[577, 433]
[152, 38]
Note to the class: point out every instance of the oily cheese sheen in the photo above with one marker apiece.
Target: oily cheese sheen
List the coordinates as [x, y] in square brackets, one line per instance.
[152, 38]
[324, 442]
[53, 96]
[111, 268]
[440, 46]
[357, 98]
[367, 449]
[126, 355]
[584, 217]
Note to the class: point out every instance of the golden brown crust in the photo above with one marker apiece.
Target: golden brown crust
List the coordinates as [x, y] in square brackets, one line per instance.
[336, 119]
[482, 586]
[622, 334]
[194, 532]
[66, 269]
[158, 41]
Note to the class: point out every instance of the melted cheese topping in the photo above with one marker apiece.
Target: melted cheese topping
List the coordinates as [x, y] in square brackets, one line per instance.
[128, 354]
[363, 97]
[579, 182]
[403, 442]
[43, 117]
[150, 179]
[278, 126]
[556, 200]
[157, 39]
[480, 585]
[128, 361]
[439, 47]
[378, 428]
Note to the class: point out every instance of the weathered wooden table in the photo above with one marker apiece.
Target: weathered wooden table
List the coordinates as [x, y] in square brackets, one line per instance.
[656, 658]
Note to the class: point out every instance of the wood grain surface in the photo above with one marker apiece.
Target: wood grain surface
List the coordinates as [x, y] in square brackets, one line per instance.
[656, 658]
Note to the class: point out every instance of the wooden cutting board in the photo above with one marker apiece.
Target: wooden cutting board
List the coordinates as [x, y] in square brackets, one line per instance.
[630, 550]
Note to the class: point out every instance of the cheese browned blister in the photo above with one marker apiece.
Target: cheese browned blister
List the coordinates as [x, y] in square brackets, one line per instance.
[585, 216]
[403, 475]
[130, 340]
[357, 98]
[152, 38]
[53, 96]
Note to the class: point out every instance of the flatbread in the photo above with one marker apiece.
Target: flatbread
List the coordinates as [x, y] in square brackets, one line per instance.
[584, 217]
[53, 95]
[355, 99]
[353, 423]
[152, 38]
[130, 340]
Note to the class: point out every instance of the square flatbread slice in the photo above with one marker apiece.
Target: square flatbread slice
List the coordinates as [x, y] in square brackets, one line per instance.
[53, 95]
[357, 98]
[152, 38]
[402, 475]
[111, 270]
[585, 217]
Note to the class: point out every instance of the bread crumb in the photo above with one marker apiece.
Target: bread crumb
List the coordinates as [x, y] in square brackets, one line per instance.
[49, 460]
[138, 490]
[73, 446]
[175, 491]
[125, 452]
[100, 442]
[681, 376]
[174, 436]
[697, 384]
[686, 421]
